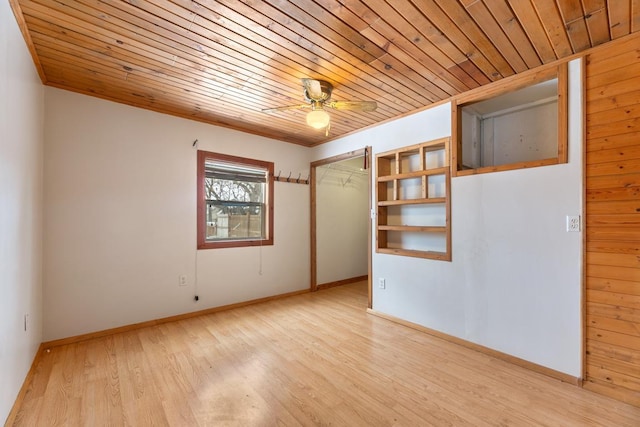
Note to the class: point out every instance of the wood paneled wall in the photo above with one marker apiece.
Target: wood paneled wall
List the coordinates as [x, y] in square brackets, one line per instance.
[612, 334]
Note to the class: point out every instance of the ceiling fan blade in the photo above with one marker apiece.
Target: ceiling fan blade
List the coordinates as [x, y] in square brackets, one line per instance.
[313, 88]
[285, 108]
[352, 105]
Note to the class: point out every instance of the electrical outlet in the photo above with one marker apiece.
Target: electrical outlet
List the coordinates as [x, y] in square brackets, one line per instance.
[382, 283]
[182, 280]
[573, 223]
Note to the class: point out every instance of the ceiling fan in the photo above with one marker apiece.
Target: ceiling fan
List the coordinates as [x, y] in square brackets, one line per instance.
[317, 93]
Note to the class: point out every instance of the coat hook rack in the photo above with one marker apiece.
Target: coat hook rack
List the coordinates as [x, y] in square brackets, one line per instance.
[297, 180]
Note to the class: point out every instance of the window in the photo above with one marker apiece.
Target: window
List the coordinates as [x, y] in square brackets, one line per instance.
[235, 201]
[517, 124]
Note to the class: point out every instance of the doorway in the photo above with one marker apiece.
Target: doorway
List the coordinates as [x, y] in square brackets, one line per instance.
[340, 220]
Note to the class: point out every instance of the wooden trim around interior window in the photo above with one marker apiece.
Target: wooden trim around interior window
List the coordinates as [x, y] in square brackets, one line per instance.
[520, 81]
[563, 113]
[201, 240]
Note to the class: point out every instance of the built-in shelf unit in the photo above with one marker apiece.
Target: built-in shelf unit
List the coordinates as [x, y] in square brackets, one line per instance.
[413, 201]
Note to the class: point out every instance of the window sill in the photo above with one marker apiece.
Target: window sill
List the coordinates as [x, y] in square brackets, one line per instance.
[234, 244]
[509, 167]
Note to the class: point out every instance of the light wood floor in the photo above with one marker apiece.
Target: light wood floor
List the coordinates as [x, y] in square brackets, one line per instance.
[315, 359]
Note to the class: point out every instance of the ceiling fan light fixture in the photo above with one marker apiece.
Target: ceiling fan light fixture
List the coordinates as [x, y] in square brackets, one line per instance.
[318, 119]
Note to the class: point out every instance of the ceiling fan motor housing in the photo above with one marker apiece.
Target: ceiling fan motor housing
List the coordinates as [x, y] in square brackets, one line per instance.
[326, 89]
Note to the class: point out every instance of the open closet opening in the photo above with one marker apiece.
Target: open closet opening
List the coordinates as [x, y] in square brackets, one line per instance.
[340, 220]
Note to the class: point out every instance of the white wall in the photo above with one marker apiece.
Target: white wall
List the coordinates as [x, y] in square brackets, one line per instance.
[120, 223]
[514, 282]
[21, 145]
[342, 212]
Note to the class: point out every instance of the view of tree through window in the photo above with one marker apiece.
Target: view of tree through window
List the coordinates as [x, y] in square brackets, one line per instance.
[235, 200]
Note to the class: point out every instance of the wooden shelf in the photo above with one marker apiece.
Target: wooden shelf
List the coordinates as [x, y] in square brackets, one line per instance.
[415, 174]
[441, 256]
[433, 200]
[395, 171]
[414, 228]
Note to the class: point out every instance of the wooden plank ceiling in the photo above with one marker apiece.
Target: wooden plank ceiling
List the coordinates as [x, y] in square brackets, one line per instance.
[224, 61]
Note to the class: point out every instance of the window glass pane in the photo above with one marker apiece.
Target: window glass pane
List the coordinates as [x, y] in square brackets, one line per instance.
[234, 191]
[235, 222]
[235, 199]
